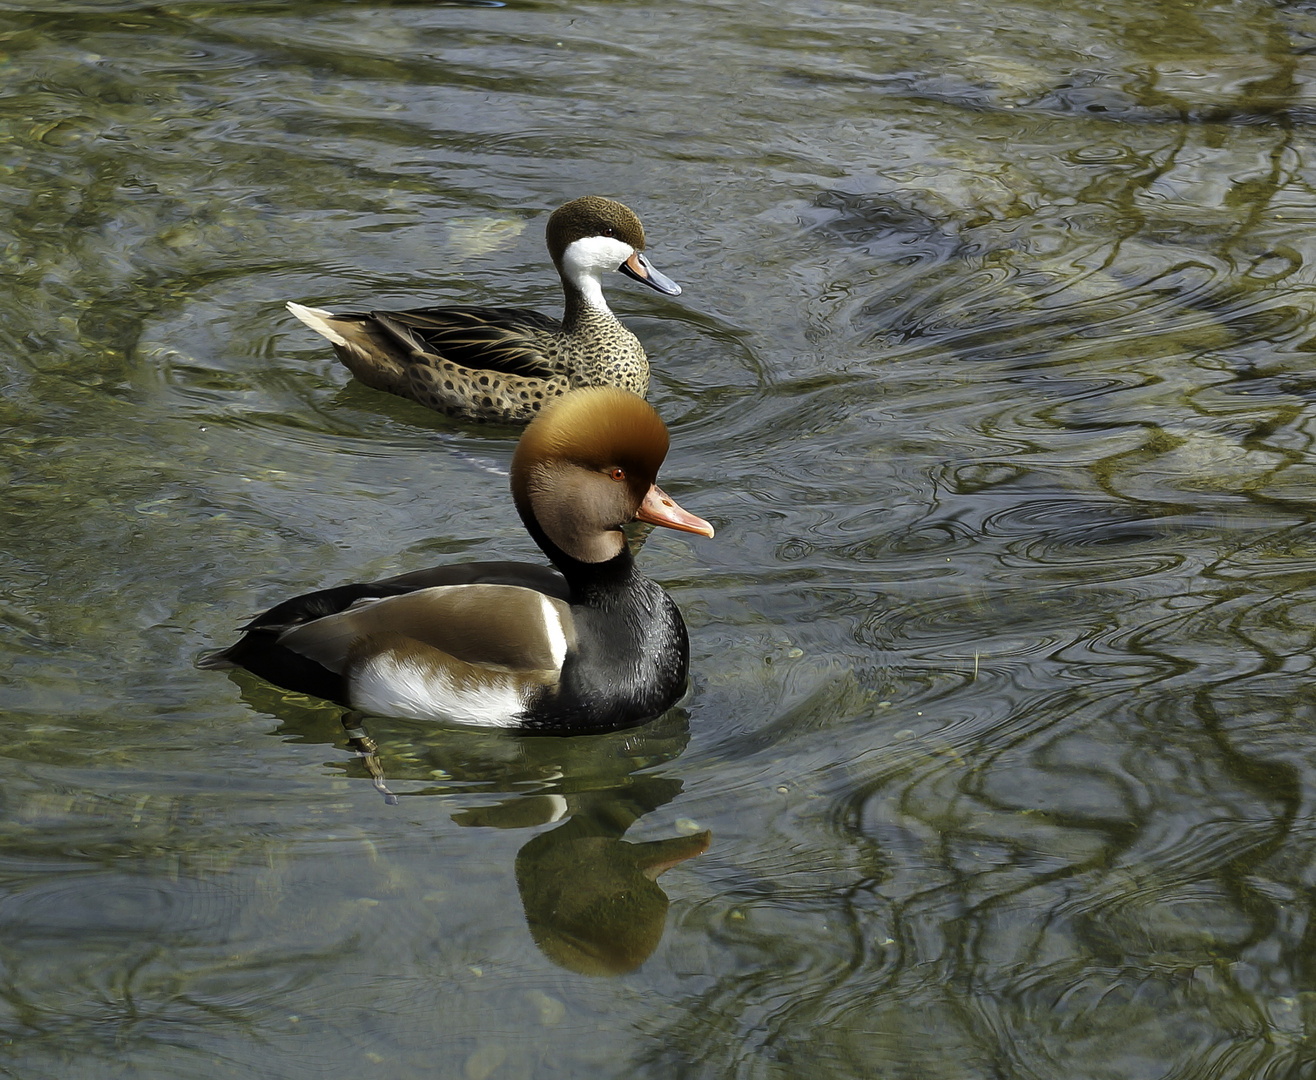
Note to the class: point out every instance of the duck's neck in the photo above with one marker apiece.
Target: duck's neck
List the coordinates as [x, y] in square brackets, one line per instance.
[598, 585]
[592, 584]
[585, 303]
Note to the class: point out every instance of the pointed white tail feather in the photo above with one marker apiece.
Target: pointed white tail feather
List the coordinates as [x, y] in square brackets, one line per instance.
[318, 320]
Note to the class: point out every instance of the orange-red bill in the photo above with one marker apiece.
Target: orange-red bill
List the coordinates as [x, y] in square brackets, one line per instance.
[659, 508]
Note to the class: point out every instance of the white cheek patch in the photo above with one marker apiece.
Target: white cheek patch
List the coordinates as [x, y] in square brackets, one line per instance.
[585, 260]
[390, 685]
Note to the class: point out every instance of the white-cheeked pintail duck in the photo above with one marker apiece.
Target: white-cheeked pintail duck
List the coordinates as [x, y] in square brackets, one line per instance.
[501, 364]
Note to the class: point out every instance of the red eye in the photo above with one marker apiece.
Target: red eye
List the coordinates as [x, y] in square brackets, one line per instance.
[618, 474]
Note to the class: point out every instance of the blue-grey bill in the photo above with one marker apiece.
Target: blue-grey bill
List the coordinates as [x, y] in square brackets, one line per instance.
[641, 269]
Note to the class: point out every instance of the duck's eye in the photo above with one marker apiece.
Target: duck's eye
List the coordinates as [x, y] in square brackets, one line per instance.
[609, 231]
[618, 474]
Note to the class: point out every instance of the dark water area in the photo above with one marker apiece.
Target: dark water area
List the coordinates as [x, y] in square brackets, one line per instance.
[993, 370]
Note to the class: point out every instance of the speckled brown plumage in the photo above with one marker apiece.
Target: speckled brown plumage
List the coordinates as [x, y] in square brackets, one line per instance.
[501, 364]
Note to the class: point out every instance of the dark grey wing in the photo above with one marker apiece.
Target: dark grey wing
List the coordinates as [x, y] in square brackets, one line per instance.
[258, 649]
[509, 340]
[501, 626]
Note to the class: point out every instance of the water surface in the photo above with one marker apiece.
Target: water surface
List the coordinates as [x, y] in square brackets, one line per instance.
[993, 370]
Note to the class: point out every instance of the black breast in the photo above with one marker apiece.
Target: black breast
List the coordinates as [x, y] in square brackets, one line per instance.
[630, 663]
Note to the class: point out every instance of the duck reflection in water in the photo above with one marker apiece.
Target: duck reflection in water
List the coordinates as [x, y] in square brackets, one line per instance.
[591, 898]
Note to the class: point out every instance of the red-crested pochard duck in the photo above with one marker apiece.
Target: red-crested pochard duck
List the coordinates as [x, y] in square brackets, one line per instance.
[596, 645]
[501, 364]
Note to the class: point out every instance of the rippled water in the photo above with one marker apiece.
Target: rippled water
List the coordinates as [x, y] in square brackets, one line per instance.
[994, 372]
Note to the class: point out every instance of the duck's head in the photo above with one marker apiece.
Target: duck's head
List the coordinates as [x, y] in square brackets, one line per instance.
[586, 466]
[592, 234]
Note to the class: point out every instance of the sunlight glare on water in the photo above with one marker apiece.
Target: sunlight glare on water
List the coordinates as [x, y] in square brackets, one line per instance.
[993, 371]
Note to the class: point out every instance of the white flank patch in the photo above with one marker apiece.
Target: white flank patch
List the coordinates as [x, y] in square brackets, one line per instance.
[317, 320]
[388, 686]
[586, 260]
[557, 638]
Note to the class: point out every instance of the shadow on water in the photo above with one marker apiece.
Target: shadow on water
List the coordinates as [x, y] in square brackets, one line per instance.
[590, 897]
